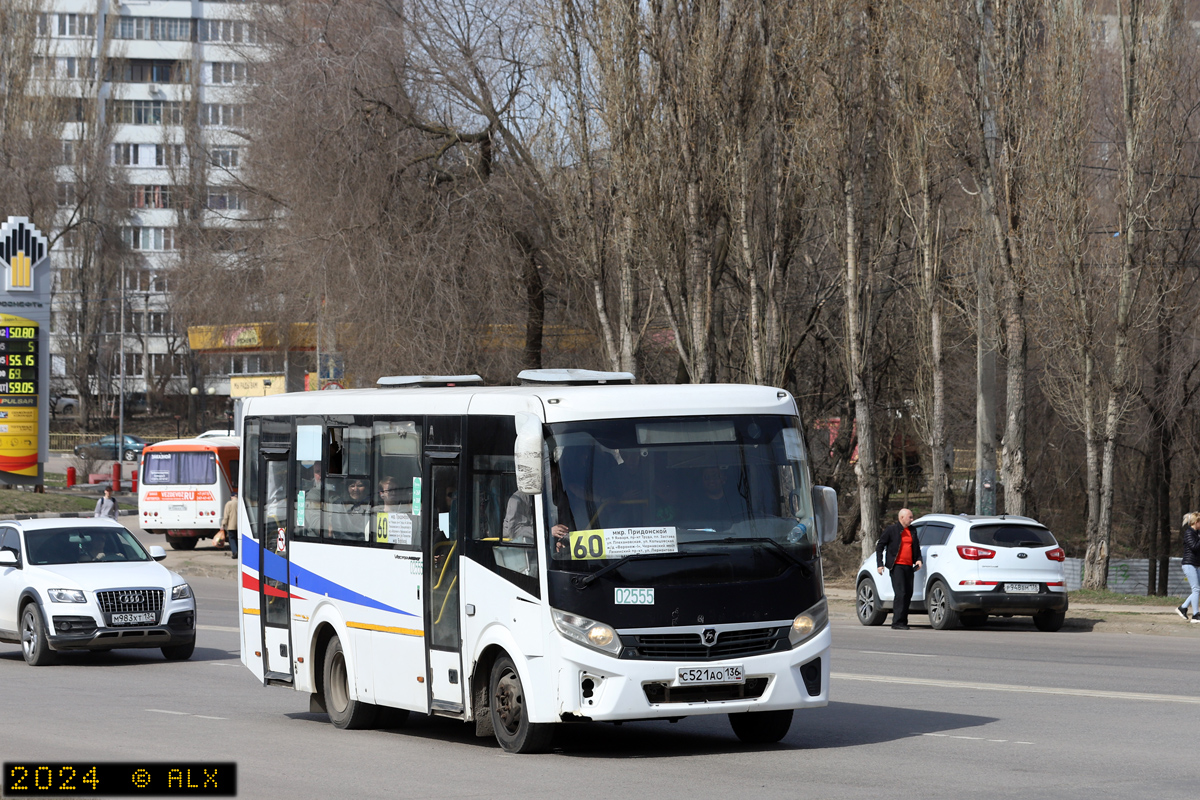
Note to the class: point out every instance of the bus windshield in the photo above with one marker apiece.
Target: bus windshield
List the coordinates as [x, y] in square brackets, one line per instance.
[180, 468]
[674, 485]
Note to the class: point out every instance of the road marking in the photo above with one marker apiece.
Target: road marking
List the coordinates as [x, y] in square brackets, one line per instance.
[971, 738]
[888, 653]
[225, 628]
[1004, 687]
[181, 713]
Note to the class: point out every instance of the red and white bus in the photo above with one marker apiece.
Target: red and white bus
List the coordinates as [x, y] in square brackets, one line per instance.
[184, 486]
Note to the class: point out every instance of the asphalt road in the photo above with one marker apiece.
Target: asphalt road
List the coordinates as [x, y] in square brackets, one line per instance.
[1001, 712]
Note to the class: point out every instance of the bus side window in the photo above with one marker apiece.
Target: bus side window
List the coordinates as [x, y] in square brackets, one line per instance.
[250, 478]
[502, 522]
[396, 446]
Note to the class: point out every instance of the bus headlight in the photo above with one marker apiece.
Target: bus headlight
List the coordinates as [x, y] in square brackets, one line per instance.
[809, 623]
[587, 632]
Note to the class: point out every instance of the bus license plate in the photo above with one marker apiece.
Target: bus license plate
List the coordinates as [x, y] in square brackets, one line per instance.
[696, 675]
[146, 618]
[633, 597]
[1021, 588]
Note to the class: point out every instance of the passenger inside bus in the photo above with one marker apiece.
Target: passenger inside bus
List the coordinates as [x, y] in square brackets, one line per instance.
[518, 519]
[349, 515]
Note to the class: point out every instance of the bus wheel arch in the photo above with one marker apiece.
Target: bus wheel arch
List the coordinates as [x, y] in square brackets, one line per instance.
[481, 675]
[344, 710]
[510, 714]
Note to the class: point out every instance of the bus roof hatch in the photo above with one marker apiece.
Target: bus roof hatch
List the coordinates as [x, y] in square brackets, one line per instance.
[426, 381]
[573, 377]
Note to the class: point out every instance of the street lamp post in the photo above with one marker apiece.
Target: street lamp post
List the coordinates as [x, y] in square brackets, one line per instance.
[121, 386]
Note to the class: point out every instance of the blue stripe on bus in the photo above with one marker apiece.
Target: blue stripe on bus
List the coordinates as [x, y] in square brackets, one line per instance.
[275, 567]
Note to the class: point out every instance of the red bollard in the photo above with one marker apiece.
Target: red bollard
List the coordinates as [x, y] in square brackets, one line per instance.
[133, 481]
[116, 480]
[70, 477]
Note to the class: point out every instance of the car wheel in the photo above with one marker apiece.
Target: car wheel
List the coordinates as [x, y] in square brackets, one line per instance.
[510, 717]
[763, 727]
[344, 711]
[179, 652]
[941, 615]
[867, 603]
[131, 455]
[34, 644]
[1049, 621]
[973, 620]
[182, 542]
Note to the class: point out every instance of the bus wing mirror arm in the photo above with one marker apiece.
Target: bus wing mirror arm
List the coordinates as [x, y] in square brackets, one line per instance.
[825, 508]
[527, 452]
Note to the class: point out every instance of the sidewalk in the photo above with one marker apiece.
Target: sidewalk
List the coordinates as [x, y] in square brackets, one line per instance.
[836, 593]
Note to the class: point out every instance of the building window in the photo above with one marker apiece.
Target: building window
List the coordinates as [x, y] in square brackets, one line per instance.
[150, 197]
[225, 198]
[221, 115]
[226, 157]
[74, 25]
[133, 363]
[150, 71]
[146, 112]
[149, 238]
[64, 194]
[165, 29]
[168, 155]
[227, 72]
[158, 323]
[68, 152]
[231, 31]
[125, 155]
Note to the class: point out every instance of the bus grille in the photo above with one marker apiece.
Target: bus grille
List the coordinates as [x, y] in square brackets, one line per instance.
[666, 693]
[691, 647]
[124, 601]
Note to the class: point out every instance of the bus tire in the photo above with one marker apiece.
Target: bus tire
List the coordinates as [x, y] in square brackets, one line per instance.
[344, 711]
[182, 542]
[510, 717]
[761, 727]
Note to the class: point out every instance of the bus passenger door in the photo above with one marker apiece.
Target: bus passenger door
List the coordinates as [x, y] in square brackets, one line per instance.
[442, 624]
[273, 567]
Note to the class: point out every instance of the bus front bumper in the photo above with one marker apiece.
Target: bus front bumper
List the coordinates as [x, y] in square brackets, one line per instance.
[596, 686]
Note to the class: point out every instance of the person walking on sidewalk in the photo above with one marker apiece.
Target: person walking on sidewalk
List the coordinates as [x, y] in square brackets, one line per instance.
[107, 506]
[229, 524]
[900, 551]
[1191, 563]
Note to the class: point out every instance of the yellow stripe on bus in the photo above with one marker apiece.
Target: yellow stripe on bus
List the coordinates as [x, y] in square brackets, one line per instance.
[384, 628]
[253, 611]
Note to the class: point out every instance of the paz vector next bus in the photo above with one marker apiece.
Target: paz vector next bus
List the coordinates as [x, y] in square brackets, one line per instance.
[575, 548]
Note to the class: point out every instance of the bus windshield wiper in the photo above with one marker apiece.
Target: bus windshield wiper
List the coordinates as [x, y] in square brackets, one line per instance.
[581, 581]
[805, 567]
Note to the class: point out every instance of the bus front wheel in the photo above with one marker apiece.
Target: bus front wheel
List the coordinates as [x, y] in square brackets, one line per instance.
[510, 715]
[344, 711]
[761, 727]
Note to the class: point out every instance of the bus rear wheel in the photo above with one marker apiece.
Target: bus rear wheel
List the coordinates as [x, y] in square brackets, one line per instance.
[761, 727]
[344, 711]
[182, 542]
[510, 715]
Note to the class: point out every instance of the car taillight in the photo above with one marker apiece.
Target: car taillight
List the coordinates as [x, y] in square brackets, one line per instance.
[1057, 554]
[972, 553]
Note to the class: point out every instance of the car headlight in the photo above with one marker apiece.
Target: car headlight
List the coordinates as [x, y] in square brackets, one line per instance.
[181, 591]
[809, 623]
[587, 632]
[66, 596]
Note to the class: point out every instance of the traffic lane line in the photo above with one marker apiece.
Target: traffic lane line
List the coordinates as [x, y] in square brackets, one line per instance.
[1004, 687]
[182, 714]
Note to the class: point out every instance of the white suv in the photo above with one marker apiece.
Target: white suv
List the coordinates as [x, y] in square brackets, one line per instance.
[973, 567]
[88, 584]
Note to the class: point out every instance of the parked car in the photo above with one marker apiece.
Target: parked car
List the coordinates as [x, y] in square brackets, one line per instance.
[106, 448]
[64, 406]
[973, 567]
[89, 584]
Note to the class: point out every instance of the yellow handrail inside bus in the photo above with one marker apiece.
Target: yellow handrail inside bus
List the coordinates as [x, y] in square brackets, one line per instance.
[446, 599]
[445, 562]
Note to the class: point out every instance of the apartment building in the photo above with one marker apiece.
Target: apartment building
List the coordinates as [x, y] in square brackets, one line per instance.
[170, 78]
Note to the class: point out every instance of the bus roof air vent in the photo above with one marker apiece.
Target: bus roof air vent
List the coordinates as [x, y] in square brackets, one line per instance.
[427, 381]
[573, 377]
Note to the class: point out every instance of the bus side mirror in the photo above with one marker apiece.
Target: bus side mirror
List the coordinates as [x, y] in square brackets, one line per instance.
[826, 511]
[527, 452]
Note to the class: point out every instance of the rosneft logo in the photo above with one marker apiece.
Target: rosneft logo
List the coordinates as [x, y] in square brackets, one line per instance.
[23, 249]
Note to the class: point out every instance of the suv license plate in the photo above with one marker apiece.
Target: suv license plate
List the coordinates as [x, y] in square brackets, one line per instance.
[1021, 588]
[691, 676]
[146, 618]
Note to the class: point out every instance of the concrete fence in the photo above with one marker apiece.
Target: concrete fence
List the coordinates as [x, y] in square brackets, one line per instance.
[1129, 576]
